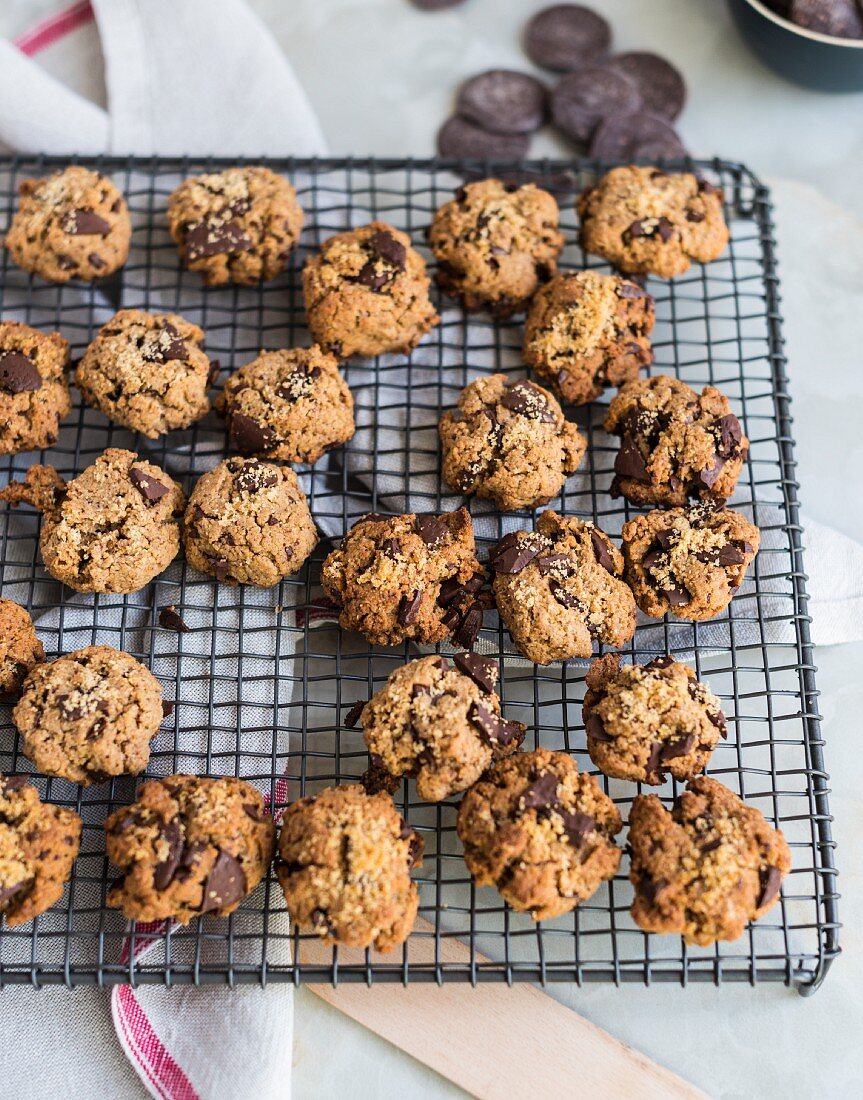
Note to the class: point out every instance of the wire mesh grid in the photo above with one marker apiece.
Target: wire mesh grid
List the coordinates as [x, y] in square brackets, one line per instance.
[264, 679]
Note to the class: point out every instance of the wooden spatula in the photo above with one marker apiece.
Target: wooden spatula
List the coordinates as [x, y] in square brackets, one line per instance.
[494, 1041]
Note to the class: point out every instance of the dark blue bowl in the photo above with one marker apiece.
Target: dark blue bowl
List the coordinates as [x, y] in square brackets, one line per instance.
[814, 60]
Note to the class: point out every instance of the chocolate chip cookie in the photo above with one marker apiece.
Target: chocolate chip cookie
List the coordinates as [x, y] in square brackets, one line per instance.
[20, 649]
[188, 846]
[34, 391]
[367, 293]
[113, 528]
[72, 225]
[541, 832]
[509, 442]
[559, 589]
[408, 577]
[674, 443]
[440, 723]
[38, 845]
[645, 720]
[344, 864]
[646, 221]
[248, 522]
[495, 244]
[235, 226]
[586, 331]
[290, 405]
[148, 372]
[688, 562]
[705, 868]
[89, 715]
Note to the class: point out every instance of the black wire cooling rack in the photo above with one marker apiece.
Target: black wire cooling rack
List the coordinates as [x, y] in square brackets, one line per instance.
[264, 680]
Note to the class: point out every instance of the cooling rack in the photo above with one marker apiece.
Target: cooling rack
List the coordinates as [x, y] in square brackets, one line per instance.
[264, 680]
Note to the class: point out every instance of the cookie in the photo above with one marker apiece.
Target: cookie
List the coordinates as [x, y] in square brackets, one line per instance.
[566, 36]
[235, 226]
[113, 528]
[89, 715]
[645, 720]
[291, 405]
[559, 589]
[367, 293]
[705, 868]
[344, 864]
[508, 442]
[20, 649]
[495, 244]
[674, 443]
[586, 331]
[248, 522]
[34, 391]
[440, 723]
[407, 577]
[148, 372]
[38, 844]
[646, 221]
[541, 832]
[688, 562]
[188, 846]
[72, 225]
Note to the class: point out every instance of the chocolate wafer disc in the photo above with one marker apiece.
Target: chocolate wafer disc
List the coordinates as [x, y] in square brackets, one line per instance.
[582, 99]
[566, 37]
[661, 86]
[460, 138]
[503, 101]
[636, 136]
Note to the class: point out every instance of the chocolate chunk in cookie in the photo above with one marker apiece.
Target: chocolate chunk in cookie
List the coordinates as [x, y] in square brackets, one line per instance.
[72, 225]
[559, 589]
[188, 846]
[645, 720]
[541, 832]
[674, 443]
[344, 864]
[644, 220]
[509, 442]
[248, 522]
[688, 562]
[235, 226]
[89, 715]
[705, 868]
[298, 401]
[495, 244]
[34, 391]
[586, 331]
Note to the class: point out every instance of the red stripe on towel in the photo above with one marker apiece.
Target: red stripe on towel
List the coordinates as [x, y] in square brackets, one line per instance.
[54, 28]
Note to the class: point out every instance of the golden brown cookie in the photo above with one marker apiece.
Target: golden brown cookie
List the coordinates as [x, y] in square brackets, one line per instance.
[495, 244]
[407, 577]
[72, 225]
[646, 221]
[291, 405]
[20, 649]
[509, 442]
[235, 226]
[34, 390]
[674, 443]
[559, 589]
[367, 292]
[645, 720]
[188, 846]
[688, 562]
[707, 867]
[38, 845]
[440, 723]
[344, 864]
[586, 331]
[541, 832]
[147, 371]
[89, 715]
[248, 522]
[113, 528]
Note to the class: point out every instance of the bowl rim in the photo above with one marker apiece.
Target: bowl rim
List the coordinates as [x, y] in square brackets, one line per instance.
[803, 32]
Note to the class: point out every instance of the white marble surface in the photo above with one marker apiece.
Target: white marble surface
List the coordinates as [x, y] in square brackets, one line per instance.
[381, 75]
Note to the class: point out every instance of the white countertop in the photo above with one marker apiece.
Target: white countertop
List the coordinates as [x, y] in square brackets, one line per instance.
[380, 74]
